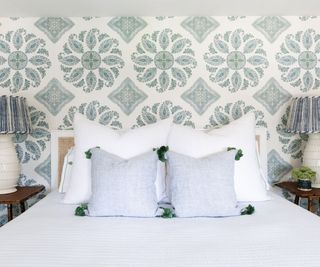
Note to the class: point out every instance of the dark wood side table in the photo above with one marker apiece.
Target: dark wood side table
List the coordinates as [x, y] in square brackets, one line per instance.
[22, 194]
[293, 188]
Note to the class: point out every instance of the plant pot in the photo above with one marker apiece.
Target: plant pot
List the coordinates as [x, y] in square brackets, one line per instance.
[304, 185]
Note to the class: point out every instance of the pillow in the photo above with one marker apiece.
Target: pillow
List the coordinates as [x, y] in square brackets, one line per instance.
[261, 170]
[249, 185]
[66, 171]
[89, 134]
[203, 187]
[123, 187]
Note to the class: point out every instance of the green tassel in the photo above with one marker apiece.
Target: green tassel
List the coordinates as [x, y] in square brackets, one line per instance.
[88, 154]
[81, 210]
[161, 152]
[167, 213]
[239, 152]
[247, 210]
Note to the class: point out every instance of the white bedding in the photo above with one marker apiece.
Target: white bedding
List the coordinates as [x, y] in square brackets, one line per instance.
[48, 234]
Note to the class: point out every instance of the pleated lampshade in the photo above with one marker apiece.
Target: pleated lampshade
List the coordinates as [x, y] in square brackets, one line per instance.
[14, 118]
[304, 115]
[14, 115]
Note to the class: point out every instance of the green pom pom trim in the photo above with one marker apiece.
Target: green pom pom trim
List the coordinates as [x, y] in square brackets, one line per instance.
[247, 210]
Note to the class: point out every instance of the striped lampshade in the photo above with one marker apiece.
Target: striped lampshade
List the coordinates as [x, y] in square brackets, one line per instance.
[304, 115]
[14, 115]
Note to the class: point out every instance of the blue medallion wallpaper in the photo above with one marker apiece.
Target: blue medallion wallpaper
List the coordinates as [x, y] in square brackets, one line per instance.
[128, 72]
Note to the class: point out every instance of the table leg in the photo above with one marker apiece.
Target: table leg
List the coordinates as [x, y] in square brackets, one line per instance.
[309, 203]
[296, 200]
[10, 213]
[22, 207]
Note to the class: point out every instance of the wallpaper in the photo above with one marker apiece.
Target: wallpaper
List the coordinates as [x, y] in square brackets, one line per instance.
[128, 72]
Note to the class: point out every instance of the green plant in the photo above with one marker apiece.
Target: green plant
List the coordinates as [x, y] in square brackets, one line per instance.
[239, 152]
[303, 173]
[161, 152]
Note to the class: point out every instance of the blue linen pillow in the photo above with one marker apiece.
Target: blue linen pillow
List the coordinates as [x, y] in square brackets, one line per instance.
[123, 187]
[202, 187]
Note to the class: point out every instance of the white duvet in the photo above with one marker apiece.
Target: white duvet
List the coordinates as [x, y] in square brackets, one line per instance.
[48, 234]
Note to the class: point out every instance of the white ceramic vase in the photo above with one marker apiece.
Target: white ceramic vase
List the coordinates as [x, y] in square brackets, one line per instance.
[9, 165]
[311, 156]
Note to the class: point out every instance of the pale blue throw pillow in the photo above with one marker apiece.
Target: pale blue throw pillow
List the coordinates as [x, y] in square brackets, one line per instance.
[202, 187]
[123, 187]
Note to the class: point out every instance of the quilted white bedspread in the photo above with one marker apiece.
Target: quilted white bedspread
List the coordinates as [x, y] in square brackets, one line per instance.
[48, 234]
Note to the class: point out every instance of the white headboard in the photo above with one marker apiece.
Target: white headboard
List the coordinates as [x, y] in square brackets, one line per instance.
[62, 140]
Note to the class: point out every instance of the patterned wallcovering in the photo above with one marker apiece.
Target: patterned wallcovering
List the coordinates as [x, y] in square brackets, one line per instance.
[128, 72]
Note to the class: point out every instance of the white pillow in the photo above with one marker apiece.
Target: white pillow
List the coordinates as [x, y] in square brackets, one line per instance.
[66, 171]
[89, 134]
[249, 185]
[262, 171]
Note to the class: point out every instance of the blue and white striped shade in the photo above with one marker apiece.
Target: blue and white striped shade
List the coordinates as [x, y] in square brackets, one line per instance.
[304, 115]
[14, 115]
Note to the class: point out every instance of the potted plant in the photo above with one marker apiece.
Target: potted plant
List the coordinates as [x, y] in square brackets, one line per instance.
[305, 176]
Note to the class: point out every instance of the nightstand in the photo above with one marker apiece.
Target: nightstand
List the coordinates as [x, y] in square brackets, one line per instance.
[19, 197]
[293, 189]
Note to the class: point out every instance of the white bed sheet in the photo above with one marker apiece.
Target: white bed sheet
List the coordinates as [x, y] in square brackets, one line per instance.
[48, 234]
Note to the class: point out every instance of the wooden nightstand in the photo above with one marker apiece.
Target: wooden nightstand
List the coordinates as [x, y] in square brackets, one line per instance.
[22, 194]
[292, 188]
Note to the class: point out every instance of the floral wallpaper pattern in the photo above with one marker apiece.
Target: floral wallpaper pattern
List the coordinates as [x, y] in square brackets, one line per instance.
[24, 59]
[164, 60]
[298, 60]
[127, 72]
[236, 60]
[91, 60]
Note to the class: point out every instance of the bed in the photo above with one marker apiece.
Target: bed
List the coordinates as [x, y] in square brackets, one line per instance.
[48, 234]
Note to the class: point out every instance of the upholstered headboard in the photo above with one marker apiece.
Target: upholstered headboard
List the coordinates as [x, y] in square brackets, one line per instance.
[62, 141]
